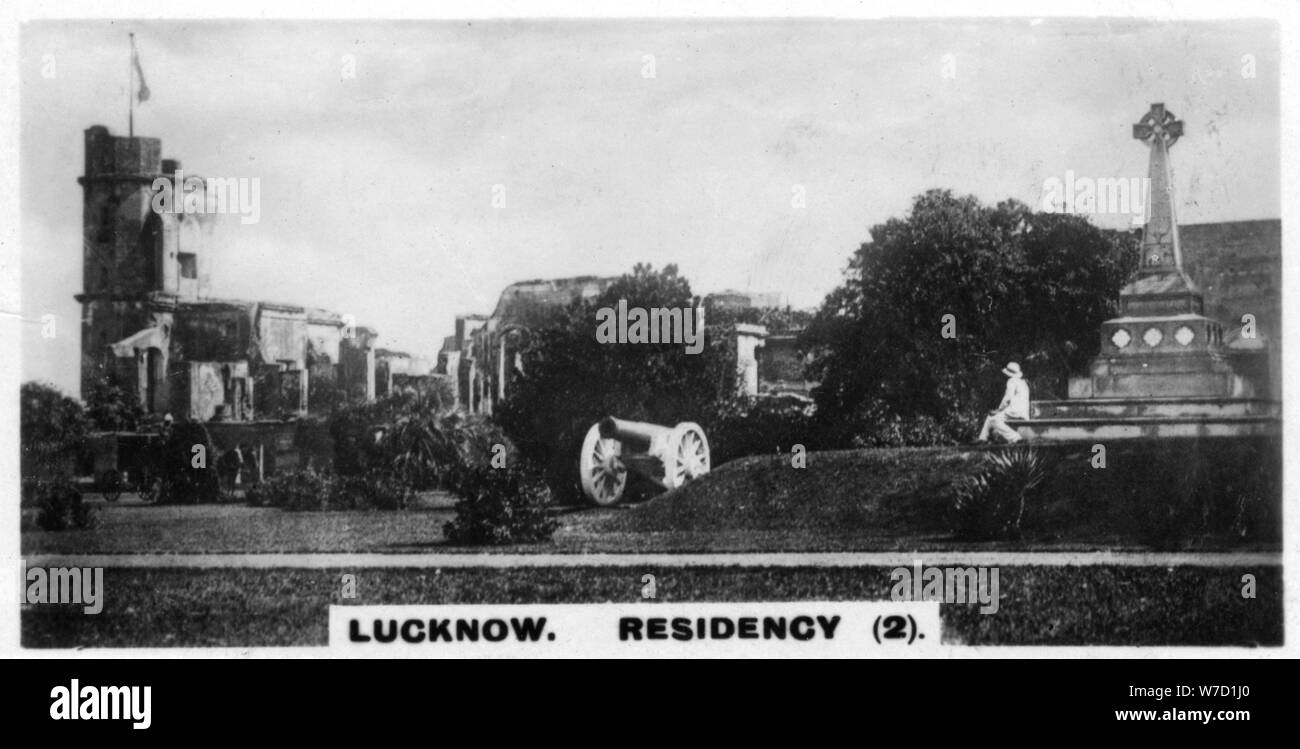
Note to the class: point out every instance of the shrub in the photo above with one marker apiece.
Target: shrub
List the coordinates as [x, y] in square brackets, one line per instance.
[112, 407]
[765, 426]
[377, 491]
[412, 437]
[435, 449]
[60, 505]
[991, 504]
[309, 489]
[915, 431]
[501, 506]
[304, 489]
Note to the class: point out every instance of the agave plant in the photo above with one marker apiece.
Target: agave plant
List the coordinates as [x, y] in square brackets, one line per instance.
[420, 446]
[991, 504]
[430, 447]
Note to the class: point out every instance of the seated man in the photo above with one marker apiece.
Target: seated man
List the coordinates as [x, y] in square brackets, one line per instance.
[1014, 405]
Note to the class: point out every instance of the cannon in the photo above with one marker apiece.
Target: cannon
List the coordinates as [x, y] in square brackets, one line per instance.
[668, 456]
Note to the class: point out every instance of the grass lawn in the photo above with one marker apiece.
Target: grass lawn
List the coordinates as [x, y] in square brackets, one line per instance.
[1039, 605]
[857, 500]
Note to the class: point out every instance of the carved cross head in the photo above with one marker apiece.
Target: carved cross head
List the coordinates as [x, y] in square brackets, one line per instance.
[1158, 125]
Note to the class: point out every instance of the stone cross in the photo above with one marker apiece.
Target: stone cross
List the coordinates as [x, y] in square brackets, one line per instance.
[1160, 129]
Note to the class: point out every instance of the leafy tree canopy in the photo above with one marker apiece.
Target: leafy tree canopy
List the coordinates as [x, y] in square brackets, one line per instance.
[52, 428]
[1021, 286]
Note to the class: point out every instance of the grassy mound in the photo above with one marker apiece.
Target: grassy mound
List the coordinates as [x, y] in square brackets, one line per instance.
[1192, 495]
[888, 491]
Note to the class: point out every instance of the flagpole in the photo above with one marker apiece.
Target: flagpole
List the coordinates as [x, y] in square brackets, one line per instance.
[130, 92]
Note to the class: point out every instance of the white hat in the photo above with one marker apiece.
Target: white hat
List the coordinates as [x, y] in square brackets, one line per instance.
[168, 419]
[1012, 370]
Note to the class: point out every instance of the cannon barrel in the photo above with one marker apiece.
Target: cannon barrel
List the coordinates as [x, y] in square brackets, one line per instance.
[668, 456]
[642, 432]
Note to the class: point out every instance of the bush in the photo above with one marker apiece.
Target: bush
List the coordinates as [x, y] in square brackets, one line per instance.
[111, 407]
[60, 505]
[412, 437]
[917, 431]
[991, 504]
[763, 427]
[501, 506]
[292, 490]
[312, 490]
[376, 491]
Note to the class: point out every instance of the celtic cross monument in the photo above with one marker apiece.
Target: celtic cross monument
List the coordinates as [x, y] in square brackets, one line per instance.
[1162, 344]
[1163, 369]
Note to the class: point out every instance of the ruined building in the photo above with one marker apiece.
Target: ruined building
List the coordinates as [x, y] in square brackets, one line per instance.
[149, 324]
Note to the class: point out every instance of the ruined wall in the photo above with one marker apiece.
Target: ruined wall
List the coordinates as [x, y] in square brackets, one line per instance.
[282, 336]
[1238, 266]
[781, 366]
[357, 365]
[212, 332]
[105, 322]
[323, 340]
[324, 336]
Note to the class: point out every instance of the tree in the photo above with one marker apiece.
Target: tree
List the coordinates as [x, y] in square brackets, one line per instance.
[1019, 286]
[569, 380]
[111, 408]
[52, 428]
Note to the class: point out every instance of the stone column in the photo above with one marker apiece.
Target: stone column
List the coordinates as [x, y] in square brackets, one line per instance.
[748, 339]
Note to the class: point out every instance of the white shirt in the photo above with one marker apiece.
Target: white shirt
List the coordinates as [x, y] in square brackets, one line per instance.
[1016, 401]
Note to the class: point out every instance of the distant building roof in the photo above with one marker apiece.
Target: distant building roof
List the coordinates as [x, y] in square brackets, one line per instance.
[530, 303]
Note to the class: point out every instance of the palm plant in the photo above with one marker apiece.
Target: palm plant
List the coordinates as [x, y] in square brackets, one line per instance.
[991, 504]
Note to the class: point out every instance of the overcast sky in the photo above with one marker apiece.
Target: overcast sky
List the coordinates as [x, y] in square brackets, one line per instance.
[377, 191]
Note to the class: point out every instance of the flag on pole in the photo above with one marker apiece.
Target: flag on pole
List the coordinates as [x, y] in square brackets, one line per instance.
[143, 94]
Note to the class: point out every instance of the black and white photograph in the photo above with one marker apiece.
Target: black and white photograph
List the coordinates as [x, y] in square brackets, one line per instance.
[803, 334]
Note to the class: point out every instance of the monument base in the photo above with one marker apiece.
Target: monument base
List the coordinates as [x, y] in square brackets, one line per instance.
[1102, 419]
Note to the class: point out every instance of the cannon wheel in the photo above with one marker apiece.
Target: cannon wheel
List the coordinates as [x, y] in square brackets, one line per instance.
[688, 455]
[151, 488]
[603, 474]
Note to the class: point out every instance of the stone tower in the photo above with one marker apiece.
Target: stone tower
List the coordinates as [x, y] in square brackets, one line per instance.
[138, 262]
